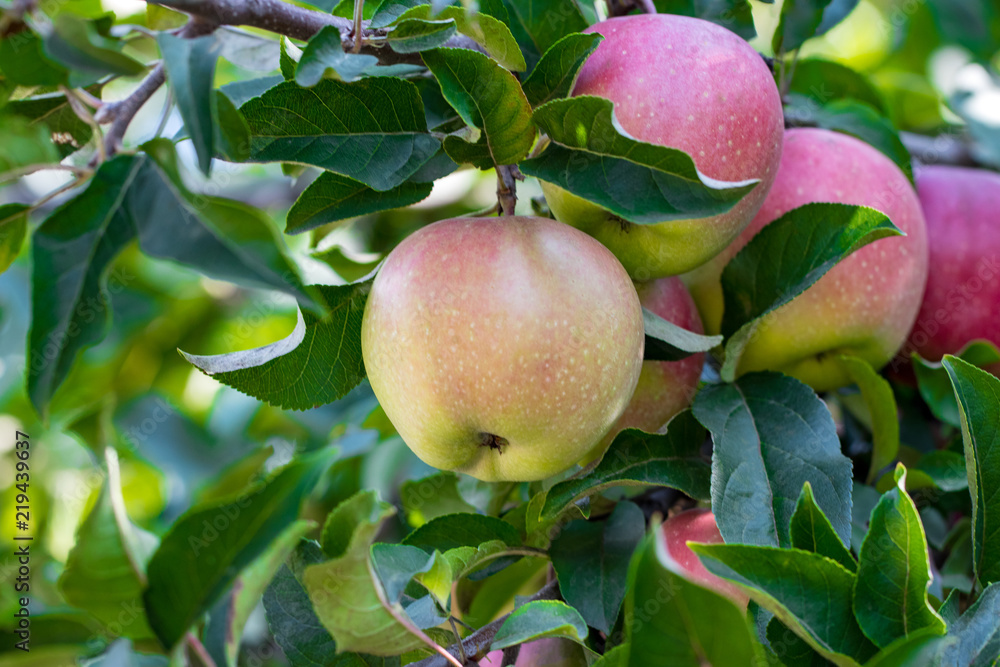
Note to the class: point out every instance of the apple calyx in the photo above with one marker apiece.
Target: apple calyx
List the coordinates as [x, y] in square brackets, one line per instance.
[493, 442]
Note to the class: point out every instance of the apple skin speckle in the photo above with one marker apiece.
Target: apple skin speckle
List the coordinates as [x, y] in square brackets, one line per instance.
[551, 392]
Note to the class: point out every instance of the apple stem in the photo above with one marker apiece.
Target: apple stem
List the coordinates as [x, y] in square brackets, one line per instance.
[507, 177]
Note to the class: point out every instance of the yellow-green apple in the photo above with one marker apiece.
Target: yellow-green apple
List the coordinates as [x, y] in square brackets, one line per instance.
[505, 348]
[689, 84]
[548, 652]
[697, 525]
[665, 387]
[962, 300]
[865, 305]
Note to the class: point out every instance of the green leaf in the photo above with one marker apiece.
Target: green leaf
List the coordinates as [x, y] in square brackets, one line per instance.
[230, 615]
[734, 15]
[75, 244]
[396, 565]
[65, 129]
[23, 61]
[463, 152]
[787, 257]
[491, 34]
[945, 468]
[802, 19]
[890, 596]
[190, 67]
[372, 130]
[288, 58]
[771, 435]
[461, 530]
[24, 144]
[591, 561]
[537, 619]
[437, 579]
[826, 81]
[89, 55]
[881, 404]
[977, 631]
[636, 458]
[639, 182]
[486, 96]
[332, 197]
[430, 497]
[978, 395]
[665, 341]
[389, 10]
[345, 591]
[207, 548]
[232, 134]
[324, 56]
[935, 386]
[415, 35]
[290, 615]
[671, 620]
[538, 24]
[319, 362]
[13, 228]
[924, 647]
[809, 593]
[790, 648]
[240, 92]
[851, 117]
[812, 531]
[556, 73]
[101, 571]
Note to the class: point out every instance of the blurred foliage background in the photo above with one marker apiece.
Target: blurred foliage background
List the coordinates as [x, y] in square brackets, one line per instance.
[183, 438]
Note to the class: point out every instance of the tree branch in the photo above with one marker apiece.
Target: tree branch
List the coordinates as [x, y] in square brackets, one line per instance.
[623, 7]
[478, 643]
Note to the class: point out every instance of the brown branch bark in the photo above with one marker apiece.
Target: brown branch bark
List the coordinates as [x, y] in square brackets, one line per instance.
[477, 645]
[507, 177]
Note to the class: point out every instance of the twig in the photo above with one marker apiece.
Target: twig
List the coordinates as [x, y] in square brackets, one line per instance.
[199, 650]
[478, 643]
[458, 640]
[358, 32]
[83, 113]
[120, 114]
[507, 177]
[58, 191]
[32, 168]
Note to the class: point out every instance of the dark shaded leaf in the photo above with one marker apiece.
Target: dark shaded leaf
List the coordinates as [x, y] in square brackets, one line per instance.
[640, 182]
[771, 435]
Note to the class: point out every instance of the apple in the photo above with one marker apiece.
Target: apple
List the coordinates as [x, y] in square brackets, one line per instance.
[689, 84]
[548, 652]
[697, 525]
[962, 301]
[665, 387]
[866, 304]
[504, 348]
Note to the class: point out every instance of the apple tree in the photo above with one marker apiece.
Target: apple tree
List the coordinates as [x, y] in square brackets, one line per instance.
[510, 332]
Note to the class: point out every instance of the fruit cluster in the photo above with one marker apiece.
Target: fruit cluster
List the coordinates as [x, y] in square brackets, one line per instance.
[512, 348]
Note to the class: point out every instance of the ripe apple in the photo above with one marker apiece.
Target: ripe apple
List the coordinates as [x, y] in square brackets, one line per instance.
[689, 84]
[698, 525]
[962, 301]
[665, 387]
[504, 348]
[865, 305]
[548, 652]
